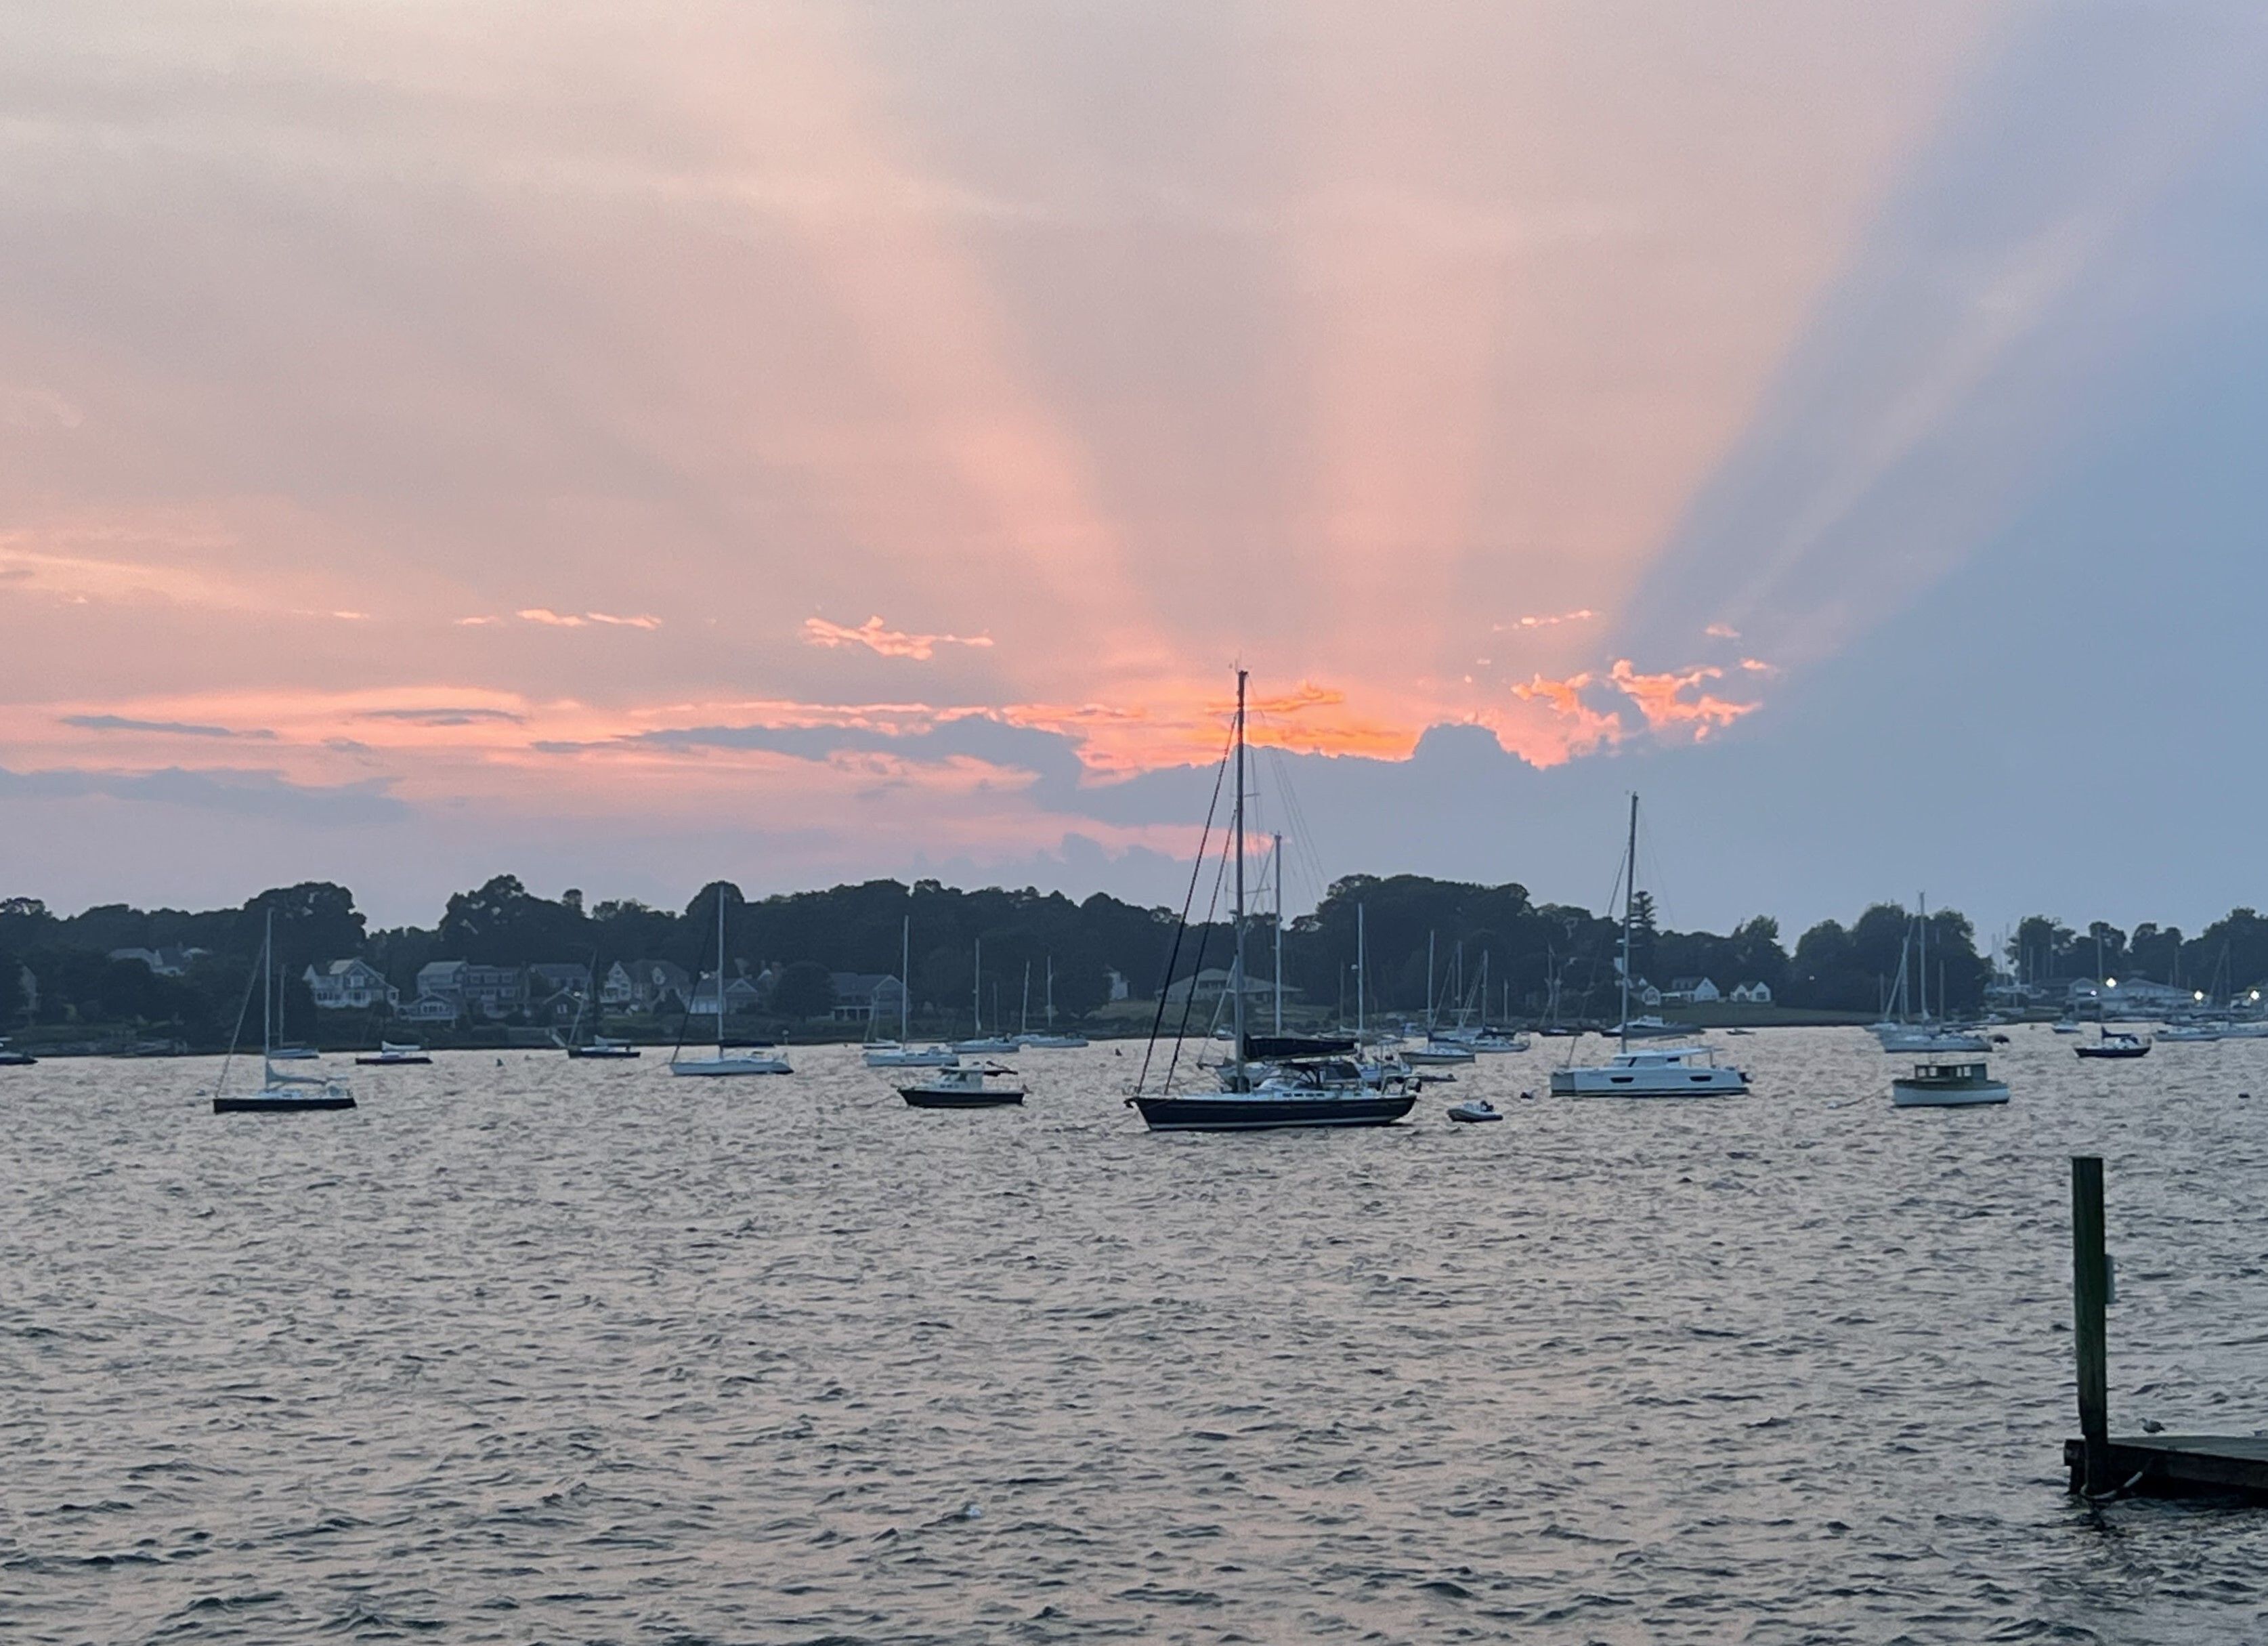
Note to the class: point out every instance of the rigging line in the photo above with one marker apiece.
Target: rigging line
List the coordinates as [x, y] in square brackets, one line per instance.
[1173, 957]
[1205, 935]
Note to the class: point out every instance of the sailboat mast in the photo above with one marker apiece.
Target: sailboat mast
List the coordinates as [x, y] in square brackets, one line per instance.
[905, 979]
[1921, 961]
[720, 970]
[1630, 919]
[976, 994]
[1361, 973]
[1239, 980]
[1279, 934]
[1024, 1011]
[1051, 994]
[1429, 983]
[267, 989]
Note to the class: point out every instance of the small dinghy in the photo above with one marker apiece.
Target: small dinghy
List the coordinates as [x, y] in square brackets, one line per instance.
[1473, 1111]
[968, 1087]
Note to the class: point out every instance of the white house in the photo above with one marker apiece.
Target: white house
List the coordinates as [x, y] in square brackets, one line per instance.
[1752, 994]
[1692, 992]
[862, 995]
[619, 992]
[164, 962]
[429, 1008]
[351, 985]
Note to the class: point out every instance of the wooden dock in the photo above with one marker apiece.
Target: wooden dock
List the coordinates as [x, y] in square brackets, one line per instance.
[2150, 1466]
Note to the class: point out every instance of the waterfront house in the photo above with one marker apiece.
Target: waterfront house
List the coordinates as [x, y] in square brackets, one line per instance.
[1692, 992]
[1752, 994]
[351, 985]
[861, 996]
[618, 990]
[429, 1008]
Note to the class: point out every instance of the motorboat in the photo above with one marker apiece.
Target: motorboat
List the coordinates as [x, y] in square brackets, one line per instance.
[1653, 1072]
[1650, 1028]
[969, 1087]
[1947, 1086]
[389, 1055]
[1052, 1043]
[1291, 1085]
[279, 1093]
[2115, 1042]
[2064, 1026]
[986, 1046]
[757, 1060]
[15, 1057]
[2190, 1031]
[1474, 1111]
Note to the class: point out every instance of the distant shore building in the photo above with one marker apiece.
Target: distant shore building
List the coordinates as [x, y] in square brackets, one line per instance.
[1751, 995]
[862, 996]
[162, 962]
[1689, 992]
[351, 985]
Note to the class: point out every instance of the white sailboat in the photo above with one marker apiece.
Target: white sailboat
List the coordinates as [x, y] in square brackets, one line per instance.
[979, 1043]
[279, 1093]
[1926, 1037]
[1650, 1071]
[1049, 1040]
[748, 1061]
[899, 1053]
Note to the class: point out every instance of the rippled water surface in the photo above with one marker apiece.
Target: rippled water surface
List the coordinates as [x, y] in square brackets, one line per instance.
[553, 1351]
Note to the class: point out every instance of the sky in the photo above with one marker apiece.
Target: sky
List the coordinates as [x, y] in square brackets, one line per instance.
[805, 442]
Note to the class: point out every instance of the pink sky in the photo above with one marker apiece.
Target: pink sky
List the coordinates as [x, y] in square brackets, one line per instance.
[443, 411]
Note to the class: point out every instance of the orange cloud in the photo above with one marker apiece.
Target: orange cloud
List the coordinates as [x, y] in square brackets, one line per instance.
[1581, 614]
[877, 638]
[568, 620]
[1660, 698]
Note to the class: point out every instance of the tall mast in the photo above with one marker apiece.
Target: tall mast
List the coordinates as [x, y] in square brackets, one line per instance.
[1429, 983]
[1238, 977]
[1279, 934]
[977, 995]
[1024, 1012]
[1921, 963]
[1630, 919]
[1051, 993]
[720, 969]
[267, 988]
[1361, 973]
[905, 978]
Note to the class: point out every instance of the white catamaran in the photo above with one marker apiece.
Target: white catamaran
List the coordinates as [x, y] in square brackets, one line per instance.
[1650, 1071]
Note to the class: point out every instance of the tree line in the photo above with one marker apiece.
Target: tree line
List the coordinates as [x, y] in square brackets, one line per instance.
[56, 968]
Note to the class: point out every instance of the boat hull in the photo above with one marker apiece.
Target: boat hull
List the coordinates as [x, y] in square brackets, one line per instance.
[932, 1097]
[602, 1055]
[1677, 1083]
[1240, 1111]
[933, 1057]
[1911, 1094]
[292, 1102]
[17, 1060]
[380, 1060]
[718, 1067]
[2112, 1051]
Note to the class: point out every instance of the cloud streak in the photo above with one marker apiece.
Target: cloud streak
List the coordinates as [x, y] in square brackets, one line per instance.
[884, 641]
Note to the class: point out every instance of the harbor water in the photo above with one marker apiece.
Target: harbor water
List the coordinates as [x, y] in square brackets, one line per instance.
[543, 1350]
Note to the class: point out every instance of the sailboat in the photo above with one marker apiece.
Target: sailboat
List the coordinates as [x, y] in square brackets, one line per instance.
[598, 1047]
[897, 1054]
[757, 1063]
[1311, 1084]
[979, 1043]
[1926, 1035]
[1650, 1071]
[279, 1093]
[1051, 1041]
